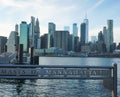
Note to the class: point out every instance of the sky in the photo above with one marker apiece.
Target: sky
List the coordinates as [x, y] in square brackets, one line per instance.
[62, 13]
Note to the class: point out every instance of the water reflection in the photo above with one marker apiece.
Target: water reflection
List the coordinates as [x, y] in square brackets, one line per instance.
[19, 85]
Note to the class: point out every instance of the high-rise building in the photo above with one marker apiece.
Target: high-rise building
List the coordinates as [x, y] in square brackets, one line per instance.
[24, 36]
[16, 27]
[12, 42]
[75, 34]
[100, 43]
[3, 41]
[105, 34]
[100, 37]
[51, 32]
[109, 34]
[83, 33]
[51, 28]
[37, 35]
[75, 29]
[61, 40]
[86, 30]
[31, 32]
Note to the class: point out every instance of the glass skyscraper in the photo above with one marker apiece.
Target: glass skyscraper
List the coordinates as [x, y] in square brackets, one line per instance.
[83, 34]
[51, 32]
[86, 30]
[75, 29]
[109, 34]
[24, 36]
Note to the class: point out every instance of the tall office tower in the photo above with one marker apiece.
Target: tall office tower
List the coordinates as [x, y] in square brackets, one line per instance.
[16, 27]
[51, 28]
[86, 29]
[3, 41]
[24, 36]
[61, 40]
[12, 42]
[67, 28]
[75, 29]
[37, 35]
[100, 44]
[51, 32]
[105, 34]
[83, 33]
[31, 32]
[75, 34]
[100, 37]
[109, 34]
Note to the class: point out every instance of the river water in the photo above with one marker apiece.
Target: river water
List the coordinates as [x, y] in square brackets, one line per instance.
[61, 88]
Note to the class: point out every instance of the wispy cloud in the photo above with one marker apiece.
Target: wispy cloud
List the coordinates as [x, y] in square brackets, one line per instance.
[95, 6]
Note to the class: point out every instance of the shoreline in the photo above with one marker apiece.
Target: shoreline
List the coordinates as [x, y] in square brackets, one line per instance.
[82, 56]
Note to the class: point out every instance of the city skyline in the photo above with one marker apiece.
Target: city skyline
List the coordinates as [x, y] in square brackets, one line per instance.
[61, 13]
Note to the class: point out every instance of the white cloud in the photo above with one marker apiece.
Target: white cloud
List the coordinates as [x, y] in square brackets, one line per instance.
[6, 28]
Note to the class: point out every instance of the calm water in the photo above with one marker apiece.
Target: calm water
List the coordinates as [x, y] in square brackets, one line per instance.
[61, 88]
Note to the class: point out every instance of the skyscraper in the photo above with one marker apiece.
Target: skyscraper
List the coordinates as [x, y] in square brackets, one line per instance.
[16, 27]
[109, 34]
[31, 32]
[37, 35]
[34, 33]
[75, 34]
[105, 34]
[83, 33]
[75, 29]
[86, 29]
[51, 28]
[24, 36]
[61, 40]
[51, 32]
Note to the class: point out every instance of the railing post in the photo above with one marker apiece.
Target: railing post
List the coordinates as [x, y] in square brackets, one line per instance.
[114, 92]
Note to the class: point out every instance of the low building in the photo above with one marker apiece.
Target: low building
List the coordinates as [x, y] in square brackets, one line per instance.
[85, 48]
[50, 51]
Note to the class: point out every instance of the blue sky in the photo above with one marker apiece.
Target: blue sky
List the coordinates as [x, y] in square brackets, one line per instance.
[62, 13]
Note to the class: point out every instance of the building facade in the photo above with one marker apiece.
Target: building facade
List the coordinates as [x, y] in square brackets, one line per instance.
[24, 36]
[51, 31]
[61, 40]
[83, 33]
[75, 29]
[86, 30]
[3, 41]
[12, 42]
[109, 34]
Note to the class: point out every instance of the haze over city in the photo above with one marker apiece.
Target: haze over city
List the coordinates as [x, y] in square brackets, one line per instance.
[61, 13]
